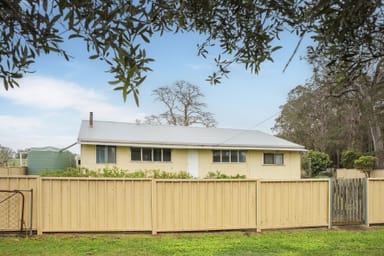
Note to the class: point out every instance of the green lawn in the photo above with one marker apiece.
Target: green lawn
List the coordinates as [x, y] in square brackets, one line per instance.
[308, 242]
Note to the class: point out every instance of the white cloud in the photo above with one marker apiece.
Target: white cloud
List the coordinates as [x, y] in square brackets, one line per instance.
[50, 93]
[18, 124]
[53, 94]
[21, 132]
[53, 112]
[200, 66]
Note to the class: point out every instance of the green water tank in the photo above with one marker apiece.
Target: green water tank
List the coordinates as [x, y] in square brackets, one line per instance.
[49, 158]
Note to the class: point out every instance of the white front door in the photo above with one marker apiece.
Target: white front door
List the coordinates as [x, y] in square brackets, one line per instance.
[193, 163]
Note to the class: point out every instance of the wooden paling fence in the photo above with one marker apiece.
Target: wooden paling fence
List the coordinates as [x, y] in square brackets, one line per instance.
[150, 205]
[349, 201]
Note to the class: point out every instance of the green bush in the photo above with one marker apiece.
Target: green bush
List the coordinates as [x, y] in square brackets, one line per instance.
[157, 174]
[219, 175]
[348, 158]
[365, 164]
[115, 172]
[69, 172]
[315, 162]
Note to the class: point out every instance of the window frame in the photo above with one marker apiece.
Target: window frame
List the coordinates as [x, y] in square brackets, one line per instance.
[273, 154]
[109, 154]
[163, 151]
[221, 154]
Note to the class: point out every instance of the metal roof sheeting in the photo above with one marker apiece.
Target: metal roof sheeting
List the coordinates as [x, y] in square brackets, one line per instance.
[128, 134]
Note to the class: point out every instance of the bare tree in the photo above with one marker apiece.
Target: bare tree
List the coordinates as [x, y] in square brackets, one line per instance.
[183, 106]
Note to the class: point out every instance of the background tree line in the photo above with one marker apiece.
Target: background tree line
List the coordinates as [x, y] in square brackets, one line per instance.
[334, 112]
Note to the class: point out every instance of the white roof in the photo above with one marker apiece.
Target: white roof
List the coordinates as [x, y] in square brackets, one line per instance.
[139, 135]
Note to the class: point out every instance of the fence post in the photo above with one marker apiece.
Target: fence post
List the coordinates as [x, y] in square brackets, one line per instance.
[330, 190]
[31, 213]
[154, 207]
[39, 195]
[366, 206]
[258, 203]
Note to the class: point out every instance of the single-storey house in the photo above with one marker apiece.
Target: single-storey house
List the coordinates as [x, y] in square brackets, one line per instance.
[196, 150]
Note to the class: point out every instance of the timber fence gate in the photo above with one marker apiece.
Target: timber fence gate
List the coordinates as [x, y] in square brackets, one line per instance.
[349, 201]
[152, 205]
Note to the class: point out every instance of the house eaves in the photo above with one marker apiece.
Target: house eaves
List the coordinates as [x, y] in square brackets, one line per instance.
[190, 146]
[134, 135]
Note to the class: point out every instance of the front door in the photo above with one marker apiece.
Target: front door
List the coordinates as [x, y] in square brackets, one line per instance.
[193, 163]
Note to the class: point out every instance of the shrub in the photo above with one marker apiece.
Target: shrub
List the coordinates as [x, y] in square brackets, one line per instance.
[115, 172]
[219, 175]
[348, 158]
[157, 174]
[315, 162]
[365, 164]
[69, 172]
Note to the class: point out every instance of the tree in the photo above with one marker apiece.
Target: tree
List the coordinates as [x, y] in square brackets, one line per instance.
[349, 34]
[243, 32]
[319, 120]
[348, 158]
[5, 154]
[365, 164]
[363, 87]
[183, 106]
[315, 162]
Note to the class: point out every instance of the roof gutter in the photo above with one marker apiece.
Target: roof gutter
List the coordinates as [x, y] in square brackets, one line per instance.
[181, 146]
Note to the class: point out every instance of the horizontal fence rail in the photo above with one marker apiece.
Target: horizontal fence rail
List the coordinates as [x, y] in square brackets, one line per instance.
[154, 205]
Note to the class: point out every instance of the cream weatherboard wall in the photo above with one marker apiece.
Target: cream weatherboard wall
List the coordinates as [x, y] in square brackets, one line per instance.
[252, 168]
[123, 160]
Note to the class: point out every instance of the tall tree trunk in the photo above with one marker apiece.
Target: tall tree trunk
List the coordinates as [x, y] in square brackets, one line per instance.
[378, 144]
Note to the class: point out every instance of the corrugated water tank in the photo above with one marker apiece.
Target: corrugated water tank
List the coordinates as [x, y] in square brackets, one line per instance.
[49, 158]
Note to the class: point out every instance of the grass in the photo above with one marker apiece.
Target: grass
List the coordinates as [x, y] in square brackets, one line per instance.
[309, 242]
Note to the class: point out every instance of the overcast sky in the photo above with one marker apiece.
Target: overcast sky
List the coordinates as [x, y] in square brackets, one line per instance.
[49, 105]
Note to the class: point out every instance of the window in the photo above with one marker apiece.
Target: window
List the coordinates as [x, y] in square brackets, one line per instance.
[151, 154]
[234, 156]
[274, 158]
[135, 154]
[157, 154]
[242, 156]
[228, 156]
[216, 156]
[105, 154]
[147, 154]
[225, 156]
[166, 155]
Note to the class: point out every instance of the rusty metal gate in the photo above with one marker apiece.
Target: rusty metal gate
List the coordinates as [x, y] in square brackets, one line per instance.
[349, 201]
[13, 212]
